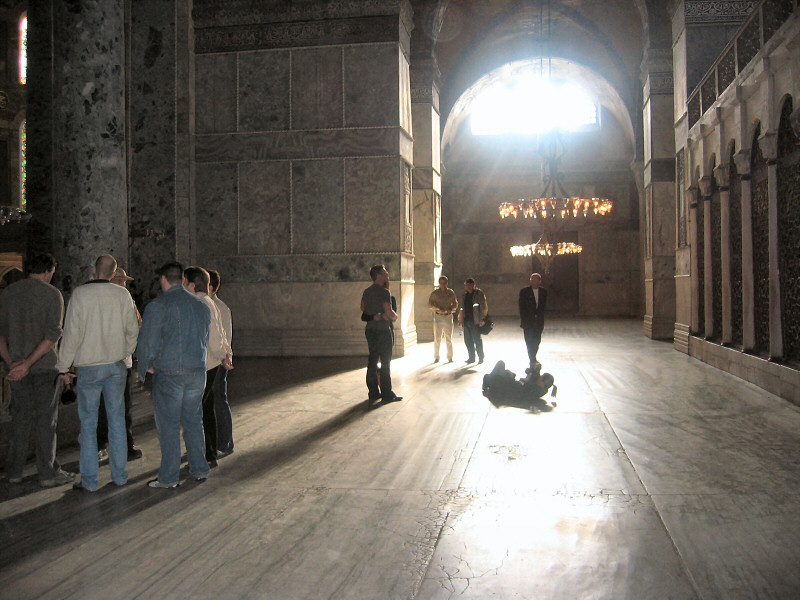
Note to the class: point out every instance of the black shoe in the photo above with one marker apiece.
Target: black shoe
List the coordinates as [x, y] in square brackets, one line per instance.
[480, 361]
[212, 464]
[221, 454]
[435, 360]
[392, 398]
[134, 453]
[469, 360]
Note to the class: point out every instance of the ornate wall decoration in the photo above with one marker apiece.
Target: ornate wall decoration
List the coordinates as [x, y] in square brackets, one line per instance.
[680, 178]
[760, 221]
[716, 264]
[789, 234]
[409, 210]
[718, 12]
[736, 254]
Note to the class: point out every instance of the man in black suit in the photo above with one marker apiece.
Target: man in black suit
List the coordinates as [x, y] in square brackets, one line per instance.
[532, 303]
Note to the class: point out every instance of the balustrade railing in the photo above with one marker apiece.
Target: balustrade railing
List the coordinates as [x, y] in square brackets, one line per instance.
[759, 28]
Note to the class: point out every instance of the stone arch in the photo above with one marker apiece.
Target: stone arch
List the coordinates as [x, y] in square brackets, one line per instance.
[788, 172]
[759, 211]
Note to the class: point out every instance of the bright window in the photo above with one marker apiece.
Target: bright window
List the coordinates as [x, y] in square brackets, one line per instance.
[23, 49]
[530, 105]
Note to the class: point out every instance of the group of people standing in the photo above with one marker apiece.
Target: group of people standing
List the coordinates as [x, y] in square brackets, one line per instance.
[183, 340]
[379, 311]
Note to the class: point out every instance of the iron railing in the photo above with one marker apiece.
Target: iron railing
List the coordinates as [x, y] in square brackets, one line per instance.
[759, 28]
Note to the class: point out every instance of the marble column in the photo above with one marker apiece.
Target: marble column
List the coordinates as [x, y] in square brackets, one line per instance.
[693, 198]
[705, 184]
[88, 203]
[722, 178]
[769, 147]
[742, 159]
[659, 190]
[427, 191]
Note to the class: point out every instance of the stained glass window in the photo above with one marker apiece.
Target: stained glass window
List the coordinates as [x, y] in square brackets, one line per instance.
[23, 166]
[23, 49]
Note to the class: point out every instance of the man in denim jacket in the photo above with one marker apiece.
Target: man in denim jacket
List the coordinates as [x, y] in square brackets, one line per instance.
[172, 346]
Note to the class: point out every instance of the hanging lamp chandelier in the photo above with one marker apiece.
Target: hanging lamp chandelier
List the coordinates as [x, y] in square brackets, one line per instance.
[555, 204]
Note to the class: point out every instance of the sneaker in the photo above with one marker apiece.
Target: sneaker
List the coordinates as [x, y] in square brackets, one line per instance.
[134, 453]
[155, 483]
[201, 479]
[102, 455]
[60, 478]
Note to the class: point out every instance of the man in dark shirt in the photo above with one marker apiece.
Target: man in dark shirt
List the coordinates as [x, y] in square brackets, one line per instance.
[377, 301]
[31, 312]
[532, 303]
[474, 309]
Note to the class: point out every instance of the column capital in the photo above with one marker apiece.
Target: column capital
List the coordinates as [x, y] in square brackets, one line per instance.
[722, 175]
[768, 142]
[692, 196]
[706, 185]
[742, 161]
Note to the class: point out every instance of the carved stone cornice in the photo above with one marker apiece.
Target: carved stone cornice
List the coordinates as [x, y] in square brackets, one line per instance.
[722, 175]
[716, 12]
[659, 84]
[267, 36]
[215, 13]
[742, 161]
[706, 185]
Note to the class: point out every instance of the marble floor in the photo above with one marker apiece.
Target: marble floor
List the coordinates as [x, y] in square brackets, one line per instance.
[650, 475]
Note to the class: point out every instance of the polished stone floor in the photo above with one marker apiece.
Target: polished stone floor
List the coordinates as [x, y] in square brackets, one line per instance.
[650, 475]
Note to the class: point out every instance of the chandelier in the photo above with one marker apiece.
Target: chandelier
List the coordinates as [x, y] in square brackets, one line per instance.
[555, 204]
[546, 251]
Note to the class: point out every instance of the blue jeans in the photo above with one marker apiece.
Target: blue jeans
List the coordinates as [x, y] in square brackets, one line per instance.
[222, 410]
[473, 340]
[108, 380]
[177, 400]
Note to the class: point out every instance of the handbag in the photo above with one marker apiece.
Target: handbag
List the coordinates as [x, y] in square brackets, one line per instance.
[65, 393]
[487, 326]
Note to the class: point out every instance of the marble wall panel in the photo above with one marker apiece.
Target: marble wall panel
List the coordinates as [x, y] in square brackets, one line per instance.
[215, 93]
[371, 85]
[153, 180]
[264, 202]
[317, 98]
[264, 91]
[373, 204]
[216, 213]
[317, 206]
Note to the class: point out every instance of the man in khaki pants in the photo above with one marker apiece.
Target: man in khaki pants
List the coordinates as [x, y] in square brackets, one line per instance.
[443, 303]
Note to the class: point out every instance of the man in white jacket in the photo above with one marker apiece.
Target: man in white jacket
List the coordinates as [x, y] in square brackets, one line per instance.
[219, 355]
[100, 331]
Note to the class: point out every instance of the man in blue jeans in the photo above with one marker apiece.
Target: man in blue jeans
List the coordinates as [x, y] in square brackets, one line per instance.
[99, 333]
[172, 346]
